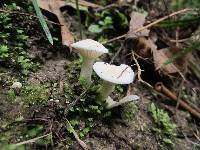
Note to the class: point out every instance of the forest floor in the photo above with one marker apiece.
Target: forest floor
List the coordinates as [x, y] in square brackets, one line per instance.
[42, 113]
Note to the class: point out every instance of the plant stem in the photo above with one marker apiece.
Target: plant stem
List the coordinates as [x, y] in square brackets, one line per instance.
[86, 69]
[79, 18]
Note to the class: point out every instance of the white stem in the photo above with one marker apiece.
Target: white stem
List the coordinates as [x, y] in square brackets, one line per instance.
[86, 69]
[111, 103]
[106, 89]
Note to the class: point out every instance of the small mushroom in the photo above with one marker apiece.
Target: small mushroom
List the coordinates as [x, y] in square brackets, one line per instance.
[89, 50]
[16, 86]
[112, 75]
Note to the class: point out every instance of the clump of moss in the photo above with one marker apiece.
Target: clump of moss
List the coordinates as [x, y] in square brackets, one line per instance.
[129, 111]
[11, 95]
[35, 94]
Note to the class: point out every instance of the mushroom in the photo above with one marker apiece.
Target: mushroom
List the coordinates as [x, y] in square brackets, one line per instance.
[16, 86]
[89, 50]
[112, 75]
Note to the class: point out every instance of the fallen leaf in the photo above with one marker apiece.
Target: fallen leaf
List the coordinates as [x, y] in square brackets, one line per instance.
[87, 4]
[143, 47]
[137, 21]
[53, 6]
[160, 57]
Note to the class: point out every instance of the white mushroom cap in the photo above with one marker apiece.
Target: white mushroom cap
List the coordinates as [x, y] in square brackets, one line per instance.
[16, 85]
[89, 48]
[122, 74]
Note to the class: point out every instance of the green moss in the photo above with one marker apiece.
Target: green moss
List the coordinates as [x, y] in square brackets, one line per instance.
[129, 111]
[11, 95]
[35, 94]
[165, 128]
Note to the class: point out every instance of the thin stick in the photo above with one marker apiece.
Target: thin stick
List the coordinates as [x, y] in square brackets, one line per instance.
[76, 101]
[140, 72]
[32, 140]
[79, 19]
[116, 54]
[82, 144]
[163, 18]
[164, 90]
[151, 24]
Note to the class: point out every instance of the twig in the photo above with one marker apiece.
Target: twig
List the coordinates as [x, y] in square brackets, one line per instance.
[163, 18]
[106, 7]
[82, 144]
[189, 141]
[140, 72]
[151, 24]
[114, 39]
[32, 140]
[79, 18]
[179, 41]
[162, 89]
[116, 54]
[76, 101]
[179, 95]
[110, 6]
[179, 91]
[26, 14]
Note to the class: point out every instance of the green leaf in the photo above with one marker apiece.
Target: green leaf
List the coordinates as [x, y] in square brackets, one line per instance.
[42, 21]
[95, 28]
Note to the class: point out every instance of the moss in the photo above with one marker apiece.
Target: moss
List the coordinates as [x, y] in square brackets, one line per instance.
[129, 111]
[11, 95]
[35, 94]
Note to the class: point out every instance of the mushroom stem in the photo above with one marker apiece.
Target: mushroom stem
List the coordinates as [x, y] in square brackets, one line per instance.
[86, 69]
[111, 103]
[106, 89]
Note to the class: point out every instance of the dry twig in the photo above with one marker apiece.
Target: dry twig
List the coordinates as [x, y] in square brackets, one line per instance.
[82, 144]
[140, 72]
[32, 140]
[162, 89]
[151, 24]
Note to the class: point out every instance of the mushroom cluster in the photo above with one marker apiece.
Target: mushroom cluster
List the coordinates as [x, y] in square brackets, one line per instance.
[90, 50]
[112, 75]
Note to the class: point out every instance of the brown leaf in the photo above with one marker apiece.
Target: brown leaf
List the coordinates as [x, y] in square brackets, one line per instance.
[143, 47]
[160, 57]
[87, 4]
[137, 21]
[54, 7]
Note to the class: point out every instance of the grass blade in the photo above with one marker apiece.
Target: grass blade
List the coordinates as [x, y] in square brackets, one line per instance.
[42, 21]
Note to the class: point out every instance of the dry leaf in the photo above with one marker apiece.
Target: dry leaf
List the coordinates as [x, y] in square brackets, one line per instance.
[137, 21]
[160, 57]
[87, 4]
[143, 47]
[54, 7]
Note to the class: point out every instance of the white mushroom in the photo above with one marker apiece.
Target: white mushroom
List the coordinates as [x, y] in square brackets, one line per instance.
[89, 50]
[16, 86]
[111, 75]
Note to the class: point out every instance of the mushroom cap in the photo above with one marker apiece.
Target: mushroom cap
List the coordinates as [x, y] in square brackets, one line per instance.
[16, 85]
[89, 48]
[122, 74]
